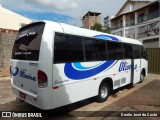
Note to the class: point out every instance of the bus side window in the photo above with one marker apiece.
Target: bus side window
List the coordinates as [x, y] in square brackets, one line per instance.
[61, 52]
[75, 48]
[143, 53]
[128, 52]
[111, 50]
[136, 51]
[90, 49]
[119, 51]
[101, 50]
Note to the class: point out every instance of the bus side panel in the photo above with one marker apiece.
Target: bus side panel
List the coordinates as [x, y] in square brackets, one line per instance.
[66, 90]
[74, 92]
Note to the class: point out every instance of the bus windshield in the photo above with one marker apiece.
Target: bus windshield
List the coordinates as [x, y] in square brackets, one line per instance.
[27, 43]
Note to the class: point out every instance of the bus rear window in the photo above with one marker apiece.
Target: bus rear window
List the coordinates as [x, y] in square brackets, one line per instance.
[28, 41]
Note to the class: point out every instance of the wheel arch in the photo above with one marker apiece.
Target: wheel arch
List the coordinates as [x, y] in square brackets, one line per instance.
[109, 81]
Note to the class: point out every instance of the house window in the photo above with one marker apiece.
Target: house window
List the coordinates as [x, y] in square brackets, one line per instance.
[141, 18]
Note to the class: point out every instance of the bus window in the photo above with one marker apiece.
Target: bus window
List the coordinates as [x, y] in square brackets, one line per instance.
[27, 43]
[128, 52]
[118, 51]
[75, 48]
[90, 49]
[143, 53]
[111, 50]
[136, 51]
[61, 53]
[101, 50]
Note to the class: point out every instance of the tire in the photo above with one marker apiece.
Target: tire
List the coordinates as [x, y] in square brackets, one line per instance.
[103, 92]
[141, 77]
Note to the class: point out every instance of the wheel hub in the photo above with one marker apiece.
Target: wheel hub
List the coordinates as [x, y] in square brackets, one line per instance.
[104, 92]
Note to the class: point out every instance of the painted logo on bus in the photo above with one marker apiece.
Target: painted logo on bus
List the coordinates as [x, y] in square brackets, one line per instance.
[22, 74]
[15, 71]
[76, 71]
[125, 66]
[27, 76]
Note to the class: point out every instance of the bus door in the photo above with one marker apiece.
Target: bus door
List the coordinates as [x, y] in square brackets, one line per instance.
[129, 62]
[137, 63]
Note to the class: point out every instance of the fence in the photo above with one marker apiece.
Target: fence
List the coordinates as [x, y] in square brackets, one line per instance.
[153, 60]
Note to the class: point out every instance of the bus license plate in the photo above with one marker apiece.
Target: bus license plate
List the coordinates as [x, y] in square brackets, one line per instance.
[22, 95]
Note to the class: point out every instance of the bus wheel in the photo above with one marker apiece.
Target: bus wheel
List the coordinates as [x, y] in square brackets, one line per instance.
[103, 93]
[141, 77]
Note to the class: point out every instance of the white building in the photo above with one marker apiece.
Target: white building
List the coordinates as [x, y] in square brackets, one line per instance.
[11, 20]
[107, 21]
[139, 19]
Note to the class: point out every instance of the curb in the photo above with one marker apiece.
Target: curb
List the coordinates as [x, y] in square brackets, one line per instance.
[5, 78]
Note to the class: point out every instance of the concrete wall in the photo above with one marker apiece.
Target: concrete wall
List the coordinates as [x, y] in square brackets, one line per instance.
[7, 38]
[153, 43]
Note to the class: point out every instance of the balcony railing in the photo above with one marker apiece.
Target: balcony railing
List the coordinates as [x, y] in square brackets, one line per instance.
[151, 15]
[151, 29]
[130, 22]
[116, 26]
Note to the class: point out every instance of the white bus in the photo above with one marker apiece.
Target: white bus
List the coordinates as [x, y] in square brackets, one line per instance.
[55, 64]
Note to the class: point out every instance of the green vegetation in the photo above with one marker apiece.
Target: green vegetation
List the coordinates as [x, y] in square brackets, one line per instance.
[99, 27]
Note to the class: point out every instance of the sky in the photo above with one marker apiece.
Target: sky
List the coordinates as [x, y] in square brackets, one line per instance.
[66, 11]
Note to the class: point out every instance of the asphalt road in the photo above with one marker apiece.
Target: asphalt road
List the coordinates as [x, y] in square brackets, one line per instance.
[140, 97]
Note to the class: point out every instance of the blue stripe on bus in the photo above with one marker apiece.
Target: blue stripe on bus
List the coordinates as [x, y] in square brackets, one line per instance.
[77, 74]
[107, 37]
[80, 67]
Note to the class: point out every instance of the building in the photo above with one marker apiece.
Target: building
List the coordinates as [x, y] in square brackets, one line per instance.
[90, 19]
[139, 19]
[107, 21]
[10, 20]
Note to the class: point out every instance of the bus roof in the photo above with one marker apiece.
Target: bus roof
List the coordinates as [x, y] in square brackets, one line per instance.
[68, 29]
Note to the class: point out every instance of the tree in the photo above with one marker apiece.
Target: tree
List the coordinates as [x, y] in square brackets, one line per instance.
[99, 27]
